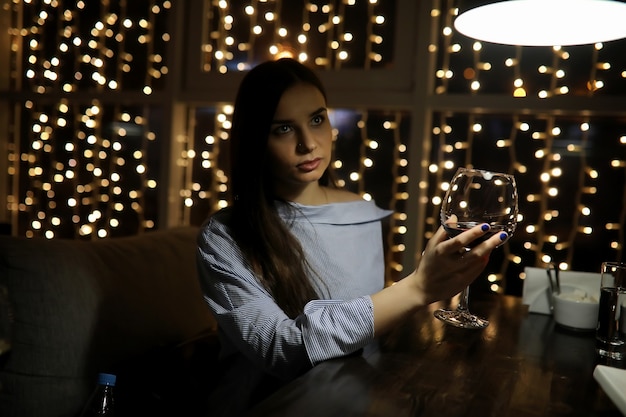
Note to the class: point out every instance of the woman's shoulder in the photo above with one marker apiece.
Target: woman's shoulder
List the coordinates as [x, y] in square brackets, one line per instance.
[219, 220]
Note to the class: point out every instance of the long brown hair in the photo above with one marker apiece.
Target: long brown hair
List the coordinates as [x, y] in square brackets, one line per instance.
[273, 252]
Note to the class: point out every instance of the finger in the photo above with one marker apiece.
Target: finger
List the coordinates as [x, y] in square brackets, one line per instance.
[484, 249]
[452, 219]
[464, 239]
[439, 236]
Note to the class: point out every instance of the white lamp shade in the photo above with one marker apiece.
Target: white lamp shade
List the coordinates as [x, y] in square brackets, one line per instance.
[544, 22]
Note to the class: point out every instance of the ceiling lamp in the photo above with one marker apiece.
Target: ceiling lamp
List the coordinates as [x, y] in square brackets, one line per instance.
[542, 22]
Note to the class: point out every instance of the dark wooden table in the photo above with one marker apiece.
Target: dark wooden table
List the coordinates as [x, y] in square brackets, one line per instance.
[520, 365]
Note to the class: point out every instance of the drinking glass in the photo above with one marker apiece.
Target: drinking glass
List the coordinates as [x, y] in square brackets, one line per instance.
[611, 328]
[477, 196]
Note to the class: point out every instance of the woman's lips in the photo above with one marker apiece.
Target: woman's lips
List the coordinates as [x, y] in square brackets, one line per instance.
[308, 166]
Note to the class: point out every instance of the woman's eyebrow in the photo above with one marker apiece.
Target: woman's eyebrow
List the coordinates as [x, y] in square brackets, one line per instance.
[318, 111]
[281, 122]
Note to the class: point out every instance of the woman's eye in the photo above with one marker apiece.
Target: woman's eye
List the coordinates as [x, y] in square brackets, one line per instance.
[317, 120]
[282, 129]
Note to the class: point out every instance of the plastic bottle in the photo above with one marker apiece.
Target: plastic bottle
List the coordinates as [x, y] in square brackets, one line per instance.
[101, 403]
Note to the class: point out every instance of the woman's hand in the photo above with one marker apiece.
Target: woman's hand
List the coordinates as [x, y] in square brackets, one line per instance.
[446, 266]
[444, 270]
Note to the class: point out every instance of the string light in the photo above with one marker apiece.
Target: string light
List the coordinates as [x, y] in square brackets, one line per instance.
[273, 30]
[85, 168]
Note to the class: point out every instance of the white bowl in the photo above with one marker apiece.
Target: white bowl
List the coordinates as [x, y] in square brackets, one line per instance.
[576, 309]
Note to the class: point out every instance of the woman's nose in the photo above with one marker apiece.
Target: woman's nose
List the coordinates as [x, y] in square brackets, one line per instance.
[306, 143]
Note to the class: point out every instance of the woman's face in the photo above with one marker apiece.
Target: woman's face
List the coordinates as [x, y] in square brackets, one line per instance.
[300, 139]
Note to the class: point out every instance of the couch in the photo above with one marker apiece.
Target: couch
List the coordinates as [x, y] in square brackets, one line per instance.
[128, 305]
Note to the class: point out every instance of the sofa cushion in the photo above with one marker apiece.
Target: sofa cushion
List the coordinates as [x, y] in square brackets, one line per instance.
[82, 307]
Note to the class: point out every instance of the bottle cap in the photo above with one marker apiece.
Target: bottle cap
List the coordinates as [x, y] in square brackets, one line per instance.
[106, 379]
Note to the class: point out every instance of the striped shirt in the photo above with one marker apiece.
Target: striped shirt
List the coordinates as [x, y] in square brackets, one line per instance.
[343, 245]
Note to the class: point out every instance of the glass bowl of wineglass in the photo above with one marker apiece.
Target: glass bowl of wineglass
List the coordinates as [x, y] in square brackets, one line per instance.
[477, 196]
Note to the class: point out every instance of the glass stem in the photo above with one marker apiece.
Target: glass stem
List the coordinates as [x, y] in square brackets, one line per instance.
[464, 301]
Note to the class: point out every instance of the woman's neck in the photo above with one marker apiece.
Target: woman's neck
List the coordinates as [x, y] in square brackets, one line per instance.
[311, 195]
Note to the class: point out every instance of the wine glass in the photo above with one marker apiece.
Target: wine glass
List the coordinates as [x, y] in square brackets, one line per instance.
[477, 196]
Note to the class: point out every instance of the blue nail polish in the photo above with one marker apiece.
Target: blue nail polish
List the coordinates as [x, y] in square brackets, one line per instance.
[484, 227]
[503, 236]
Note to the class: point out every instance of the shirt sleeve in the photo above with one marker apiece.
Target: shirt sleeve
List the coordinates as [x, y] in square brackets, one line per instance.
[252, 321]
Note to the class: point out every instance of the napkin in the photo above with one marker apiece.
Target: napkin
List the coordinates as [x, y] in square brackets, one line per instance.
[536, 290]
[613, 382]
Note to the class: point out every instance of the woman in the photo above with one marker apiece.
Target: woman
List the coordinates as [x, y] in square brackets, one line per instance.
[294, 270]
